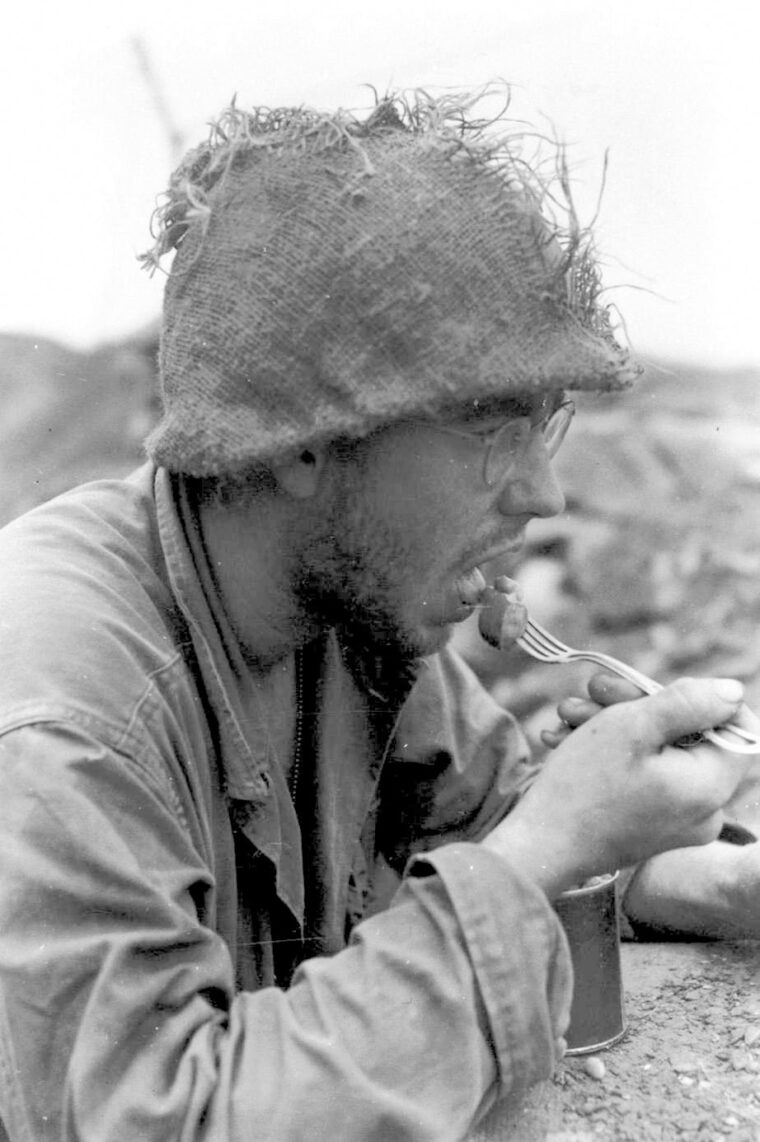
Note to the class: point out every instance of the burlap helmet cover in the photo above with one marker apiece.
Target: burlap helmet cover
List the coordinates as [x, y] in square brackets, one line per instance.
[333, 276]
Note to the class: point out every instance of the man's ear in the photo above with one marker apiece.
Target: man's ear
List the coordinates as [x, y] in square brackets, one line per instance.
[301, 477]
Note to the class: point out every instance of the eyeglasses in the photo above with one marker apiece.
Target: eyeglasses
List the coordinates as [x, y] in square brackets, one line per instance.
[506, 445]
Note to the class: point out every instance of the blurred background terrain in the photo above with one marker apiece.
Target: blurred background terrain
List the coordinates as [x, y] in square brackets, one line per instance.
[656, 558]
[67, 415]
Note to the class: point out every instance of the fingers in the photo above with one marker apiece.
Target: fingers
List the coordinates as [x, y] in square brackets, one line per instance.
[575, 711]
[608, 689]
[552, 738]
[686, 707]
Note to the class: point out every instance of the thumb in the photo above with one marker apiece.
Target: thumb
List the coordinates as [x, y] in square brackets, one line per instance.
[689, 706]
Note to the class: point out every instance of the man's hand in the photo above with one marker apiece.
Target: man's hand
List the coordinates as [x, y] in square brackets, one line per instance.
[604, 689]
[616, 790]
[710, 892]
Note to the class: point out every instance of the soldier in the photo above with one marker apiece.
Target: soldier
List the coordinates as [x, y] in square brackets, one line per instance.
[228, 706]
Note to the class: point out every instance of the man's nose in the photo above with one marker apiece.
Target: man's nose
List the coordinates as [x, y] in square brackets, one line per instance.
[531, 488]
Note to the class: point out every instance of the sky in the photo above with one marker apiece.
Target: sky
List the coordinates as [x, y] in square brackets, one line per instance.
[668, 89]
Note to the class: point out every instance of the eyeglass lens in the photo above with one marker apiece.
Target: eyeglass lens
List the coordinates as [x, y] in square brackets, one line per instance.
[513, 437]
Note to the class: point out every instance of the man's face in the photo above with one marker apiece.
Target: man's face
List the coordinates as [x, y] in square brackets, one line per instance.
[410, 518]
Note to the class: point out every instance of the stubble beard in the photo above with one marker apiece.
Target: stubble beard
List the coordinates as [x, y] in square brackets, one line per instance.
[350, 578]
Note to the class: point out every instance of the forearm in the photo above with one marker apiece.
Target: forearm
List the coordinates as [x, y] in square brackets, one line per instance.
[441, 1005]
[700, 892]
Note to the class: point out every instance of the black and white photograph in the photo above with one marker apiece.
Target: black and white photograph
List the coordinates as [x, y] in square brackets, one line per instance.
[380, 572]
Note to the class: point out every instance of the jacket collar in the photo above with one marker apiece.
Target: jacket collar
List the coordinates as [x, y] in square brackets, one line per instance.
[350, 736]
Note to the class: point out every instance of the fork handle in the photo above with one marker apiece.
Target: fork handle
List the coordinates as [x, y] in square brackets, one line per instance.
[748, 744]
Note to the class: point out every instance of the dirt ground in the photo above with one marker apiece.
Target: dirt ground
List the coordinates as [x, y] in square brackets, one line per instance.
[687, 1069]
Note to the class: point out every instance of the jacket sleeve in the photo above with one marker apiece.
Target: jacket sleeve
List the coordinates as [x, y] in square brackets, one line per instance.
[458, 764]
[118, 1013]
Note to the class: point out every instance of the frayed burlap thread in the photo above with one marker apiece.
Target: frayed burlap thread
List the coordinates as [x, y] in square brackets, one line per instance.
[325, 286]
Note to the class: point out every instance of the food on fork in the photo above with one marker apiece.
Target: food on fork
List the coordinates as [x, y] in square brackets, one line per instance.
[503, 614]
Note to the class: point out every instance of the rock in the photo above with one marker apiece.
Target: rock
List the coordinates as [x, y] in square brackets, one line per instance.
[594, 1067]
[685, 1064]
[740, 1060]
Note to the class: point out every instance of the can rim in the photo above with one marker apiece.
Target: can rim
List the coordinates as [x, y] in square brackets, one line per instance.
[598, 1046]
[586, 890]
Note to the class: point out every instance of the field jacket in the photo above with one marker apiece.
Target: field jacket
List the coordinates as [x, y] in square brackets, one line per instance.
[182, 956]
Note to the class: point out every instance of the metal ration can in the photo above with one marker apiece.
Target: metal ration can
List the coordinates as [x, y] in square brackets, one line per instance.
[589, 915]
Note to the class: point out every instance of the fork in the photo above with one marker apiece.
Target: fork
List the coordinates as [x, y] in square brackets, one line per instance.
[538, 643]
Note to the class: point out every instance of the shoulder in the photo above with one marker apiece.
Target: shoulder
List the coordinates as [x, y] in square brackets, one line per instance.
[85, 610]
[113, 518]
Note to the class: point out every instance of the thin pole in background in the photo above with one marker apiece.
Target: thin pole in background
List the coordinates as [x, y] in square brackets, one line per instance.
[174, 136]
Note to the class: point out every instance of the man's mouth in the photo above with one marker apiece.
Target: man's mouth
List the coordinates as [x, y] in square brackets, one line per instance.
[502, 612]
[470, 587]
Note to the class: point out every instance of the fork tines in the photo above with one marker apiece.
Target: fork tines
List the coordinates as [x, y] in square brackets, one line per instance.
[538, 642]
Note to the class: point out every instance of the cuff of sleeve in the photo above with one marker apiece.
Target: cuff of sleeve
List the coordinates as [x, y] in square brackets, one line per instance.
[519, 955]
